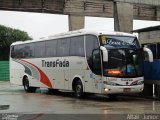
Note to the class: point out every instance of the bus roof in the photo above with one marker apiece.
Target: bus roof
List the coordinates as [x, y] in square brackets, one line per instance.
[77, 33]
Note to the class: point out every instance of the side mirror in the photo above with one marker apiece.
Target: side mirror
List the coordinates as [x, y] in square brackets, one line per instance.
[105, 53]
[149, 53]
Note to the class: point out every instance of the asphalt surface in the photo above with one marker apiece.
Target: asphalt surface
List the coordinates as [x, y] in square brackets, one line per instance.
[16, 104]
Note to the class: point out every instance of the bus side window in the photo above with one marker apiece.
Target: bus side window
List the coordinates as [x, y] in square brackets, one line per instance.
[51, 48]
[19, 51]
[12, 52]
[39, 49]
[29, 50]
[63, 47]
[15, 52]
[77, 46]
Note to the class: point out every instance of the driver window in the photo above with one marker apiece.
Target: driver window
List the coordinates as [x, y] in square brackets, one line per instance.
[93, 54]
[96, 61]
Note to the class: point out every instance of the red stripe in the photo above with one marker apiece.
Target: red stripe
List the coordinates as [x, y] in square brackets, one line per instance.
[43, 77]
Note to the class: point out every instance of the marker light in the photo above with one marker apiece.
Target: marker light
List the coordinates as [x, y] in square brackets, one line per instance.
[114, 72]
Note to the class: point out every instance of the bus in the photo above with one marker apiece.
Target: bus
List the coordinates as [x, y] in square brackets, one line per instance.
[82, 61]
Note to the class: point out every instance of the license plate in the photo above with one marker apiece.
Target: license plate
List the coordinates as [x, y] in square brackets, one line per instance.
[127, 90]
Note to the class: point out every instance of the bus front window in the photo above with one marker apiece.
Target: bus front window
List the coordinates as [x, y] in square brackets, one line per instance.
[125, 57]
[123, 63]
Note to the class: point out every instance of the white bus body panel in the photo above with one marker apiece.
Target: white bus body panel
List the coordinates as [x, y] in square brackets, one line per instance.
[62, 77]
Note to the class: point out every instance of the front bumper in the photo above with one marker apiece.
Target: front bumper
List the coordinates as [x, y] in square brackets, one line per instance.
[108, 89]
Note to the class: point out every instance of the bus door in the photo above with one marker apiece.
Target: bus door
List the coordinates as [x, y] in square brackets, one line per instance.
[96, 68]
[88, 81]
[92, 82]
[93, 77]
[93, 74]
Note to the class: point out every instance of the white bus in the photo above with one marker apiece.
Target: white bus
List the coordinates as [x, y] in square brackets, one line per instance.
[81, 61]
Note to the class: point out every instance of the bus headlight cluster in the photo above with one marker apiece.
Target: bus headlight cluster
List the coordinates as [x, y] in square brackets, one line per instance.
[140, 82]
[106, 89]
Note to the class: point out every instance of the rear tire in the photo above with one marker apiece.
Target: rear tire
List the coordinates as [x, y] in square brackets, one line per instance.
[27, 88]
[79, 89]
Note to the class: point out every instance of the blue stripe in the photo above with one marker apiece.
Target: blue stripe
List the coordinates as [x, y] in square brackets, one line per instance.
[152, 70]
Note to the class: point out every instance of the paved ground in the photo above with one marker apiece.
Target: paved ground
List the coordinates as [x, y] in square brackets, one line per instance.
[39, 106]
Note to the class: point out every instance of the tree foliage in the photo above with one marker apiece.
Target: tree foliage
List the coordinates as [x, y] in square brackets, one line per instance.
[7, 37]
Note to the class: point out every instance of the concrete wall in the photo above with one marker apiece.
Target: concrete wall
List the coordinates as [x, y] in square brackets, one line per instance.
[76, 22]
[149, 37]
[145, 2]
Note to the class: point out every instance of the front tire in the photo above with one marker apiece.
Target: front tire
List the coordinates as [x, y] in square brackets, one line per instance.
[79, 89]
[26, 86]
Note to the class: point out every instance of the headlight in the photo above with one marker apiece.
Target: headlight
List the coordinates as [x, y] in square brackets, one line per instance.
[140, 82]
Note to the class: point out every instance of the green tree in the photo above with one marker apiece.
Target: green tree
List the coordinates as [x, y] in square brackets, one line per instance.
[7, 37]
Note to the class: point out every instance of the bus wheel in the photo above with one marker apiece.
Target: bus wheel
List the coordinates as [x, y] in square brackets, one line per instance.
[27, 88]
[79, 89]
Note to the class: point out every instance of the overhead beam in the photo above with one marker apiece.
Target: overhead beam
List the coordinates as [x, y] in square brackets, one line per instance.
[142, 2]
[47, 6]
[97, 8]
[143, 9]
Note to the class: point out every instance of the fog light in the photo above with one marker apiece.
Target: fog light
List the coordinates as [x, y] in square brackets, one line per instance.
[106, 89]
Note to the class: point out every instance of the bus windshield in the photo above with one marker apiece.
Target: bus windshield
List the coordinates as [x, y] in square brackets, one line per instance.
[125, 58]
